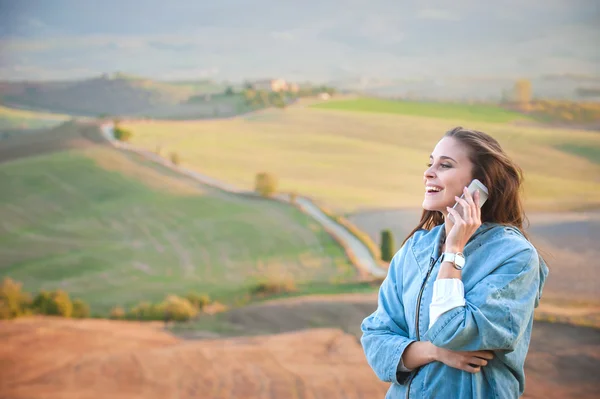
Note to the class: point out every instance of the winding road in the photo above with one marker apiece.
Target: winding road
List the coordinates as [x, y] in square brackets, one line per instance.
[360, 252]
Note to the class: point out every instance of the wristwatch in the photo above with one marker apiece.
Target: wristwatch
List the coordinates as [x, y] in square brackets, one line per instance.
[457, 259]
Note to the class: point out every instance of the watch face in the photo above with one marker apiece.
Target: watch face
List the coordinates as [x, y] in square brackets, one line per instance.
[459, 260]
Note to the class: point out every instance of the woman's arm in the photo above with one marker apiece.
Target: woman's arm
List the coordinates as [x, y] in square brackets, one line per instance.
[498, 309]
[420, 353]
[385, 332]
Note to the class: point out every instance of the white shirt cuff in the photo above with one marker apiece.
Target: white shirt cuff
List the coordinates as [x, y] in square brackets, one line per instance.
[402, 367]
[448, 293]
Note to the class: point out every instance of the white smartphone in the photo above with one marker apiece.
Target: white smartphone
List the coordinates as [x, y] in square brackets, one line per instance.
[475, 185]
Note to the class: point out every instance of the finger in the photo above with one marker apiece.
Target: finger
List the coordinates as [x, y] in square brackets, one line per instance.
[471, 202]
[468, 196]
[466, 208]
[477, 361]
[457, 218]
[477, 199]
[472, 369]
[484, 354]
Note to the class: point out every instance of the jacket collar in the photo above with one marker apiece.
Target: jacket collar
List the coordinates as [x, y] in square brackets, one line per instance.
[427, 246]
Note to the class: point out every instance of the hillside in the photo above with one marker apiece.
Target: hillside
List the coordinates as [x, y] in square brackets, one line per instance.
[358, 160]
[16, 119]
[110, 94]
[114, 229]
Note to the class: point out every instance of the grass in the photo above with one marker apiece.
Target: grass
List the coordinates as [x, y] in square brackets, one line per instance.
[220, 322]
[465, 112]
[11, 118]
[353, 160]
[589, 152]
[113, 230]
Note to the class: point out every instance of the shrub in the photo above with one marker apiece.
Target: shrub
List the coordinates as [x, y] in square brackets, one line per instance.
[145, 311]
[117, 313]
[265, 184]
[122, 134]
[197, 300]
[273, 287]
[13, 301]
[177, 309]
[175, 159]
[387, 245]
[54, 303]
[81, 310]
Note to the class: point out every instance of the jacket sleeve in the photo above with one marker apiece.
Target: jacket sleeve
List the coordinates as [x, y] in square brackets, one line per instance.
[385, 332]
[497, 309]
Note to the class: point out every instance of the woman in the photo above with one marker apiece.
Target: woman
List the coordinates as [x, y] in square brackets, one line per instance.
[442, 332]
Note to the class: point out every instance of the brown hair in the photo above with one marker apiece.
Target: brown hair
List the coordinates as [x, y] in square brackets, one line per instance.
[497, 172]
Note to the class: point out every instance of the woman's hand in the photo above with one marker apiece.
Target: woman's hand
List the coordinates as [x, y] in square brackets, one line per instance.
[464, 225]
[471, 362]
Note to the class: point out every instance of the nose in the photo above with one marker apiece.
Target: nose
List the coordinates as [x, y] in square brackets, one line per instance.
[429, 173]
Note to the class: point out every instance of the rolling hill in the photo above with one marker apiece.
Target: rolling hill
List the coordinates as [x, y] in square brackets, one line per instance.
[114, 229]
[16, 119]
[109, 94]
[122, 95]
[361, 160]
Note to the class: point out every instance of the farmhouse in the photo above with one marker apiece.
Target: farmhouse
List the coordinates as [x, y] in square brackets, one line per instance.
[271, 85]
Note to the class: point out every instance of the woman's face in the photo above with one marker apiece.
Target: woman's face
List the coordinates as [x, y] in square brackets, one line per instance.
[449, 171]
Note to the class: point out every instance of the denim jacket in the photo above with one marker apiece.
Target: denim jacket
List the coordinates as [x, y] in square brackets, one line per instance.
[503, 278]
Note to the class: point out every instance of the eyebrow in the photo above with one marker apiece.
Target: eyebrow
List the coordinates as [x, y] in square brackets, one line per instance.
[444, 157]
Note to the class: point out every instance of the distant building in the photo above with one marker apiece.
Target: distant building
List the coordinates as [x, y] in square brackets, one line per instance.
[270, 85]
[293, 87]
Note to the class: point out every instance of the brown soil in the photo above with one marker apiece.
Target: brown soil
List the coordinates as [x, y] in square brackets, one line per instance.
[562, 361]
[56, 358]
[61, 358]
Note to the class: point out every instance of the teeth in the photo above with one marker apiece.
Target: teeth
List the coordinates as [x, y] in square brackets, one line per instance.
[431, 188]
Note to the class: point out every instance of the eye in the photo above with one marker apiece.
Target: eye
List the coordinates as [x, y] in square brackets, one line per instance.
[446, 166]
[429, 164]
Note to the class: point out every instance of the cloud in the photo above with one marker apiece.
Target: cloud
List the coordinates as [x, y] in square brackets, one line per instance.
[437, 14]
[283, 35]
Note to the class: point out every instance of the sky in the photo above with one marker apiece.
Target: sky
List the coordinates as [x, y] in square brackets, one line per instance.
[312, 40]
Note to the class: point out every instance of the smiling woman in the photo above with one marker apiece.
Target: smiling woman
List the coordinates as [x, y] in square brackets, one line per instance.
[488, 278]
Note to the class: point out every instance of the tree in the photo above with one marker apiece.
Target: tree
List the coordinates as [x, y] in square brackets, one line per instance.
[523, 94]
[55, 303]
[13, 301]
[229, 91]
[277, 99]
[175, 159]
[265, 184]
[387, 245]
[81, 310]
[199, 301]
[177, 309]
[122, 134]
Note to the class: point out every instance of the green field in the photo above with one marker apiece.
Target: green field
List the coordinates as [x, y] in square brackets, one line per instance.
[113, 229]
[11, 119]
[464, 112]
[354, 160]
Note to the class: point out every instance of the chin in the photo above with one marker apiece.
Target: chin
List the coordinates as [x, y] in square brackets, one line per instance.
[432, 207]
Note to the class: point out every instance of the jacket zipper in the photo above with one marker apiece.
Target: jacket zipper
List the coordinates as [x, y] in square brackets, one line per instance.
[431, 264]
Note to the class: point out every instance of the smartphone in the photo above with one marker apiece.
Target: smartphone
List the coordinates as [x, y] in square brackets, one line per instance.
[475, 185]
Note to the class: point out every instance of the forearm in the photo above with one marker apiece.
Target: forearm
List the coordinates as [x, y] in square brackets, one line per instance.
[447, 270]
[419, 353]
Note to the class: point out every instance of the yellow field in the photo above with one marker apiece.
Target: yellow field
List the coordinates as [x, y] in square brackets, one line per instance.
[362, 160]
